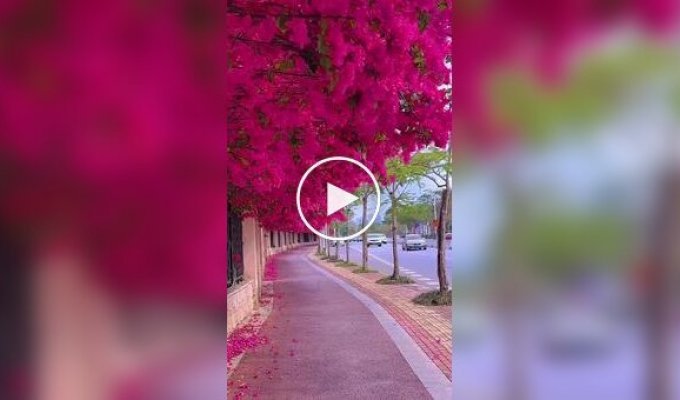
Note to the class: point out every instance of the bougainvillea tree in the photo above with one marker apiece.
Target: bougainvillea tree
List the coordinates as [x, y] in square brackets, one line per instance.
[312, 79]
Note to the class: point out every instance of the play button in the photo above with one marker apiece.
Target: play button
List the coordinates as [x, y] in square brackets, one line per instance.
[337, 199]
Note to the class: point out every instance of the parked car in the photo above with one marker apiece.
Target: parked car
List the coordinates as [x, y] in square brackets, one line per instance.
[383, 237]
[576, 332]
[374, 239]
[413, 241]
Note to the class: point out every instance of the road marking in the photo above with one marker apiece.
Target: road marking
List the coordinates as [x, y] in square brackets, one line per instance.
[386, 262]
[382, 260]
[404, 270]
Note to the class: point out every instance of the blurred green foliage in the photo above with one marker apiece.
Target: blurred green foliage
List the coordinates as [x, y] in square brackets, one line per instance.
[565, 244]
[411, 213]
[538, 111]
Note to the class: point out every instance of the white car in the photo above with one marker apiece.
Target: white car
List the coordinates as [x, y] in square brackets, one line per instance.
[413, 241]
[577, 333]
[374, 239]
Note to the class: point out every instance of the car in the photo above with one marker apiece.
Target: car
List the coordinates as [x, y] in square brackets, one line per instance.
[374, 239]
[383, 237]
[413, 241]
[577, 332]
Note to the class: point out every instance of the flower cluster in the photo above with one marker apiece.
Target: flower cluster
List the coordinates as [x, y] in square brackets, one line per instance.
[312, 79]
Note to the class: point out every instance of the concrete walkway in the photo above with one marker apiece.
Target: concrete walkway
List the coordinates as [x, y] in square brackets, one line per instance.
[324, 343]
[429, 327]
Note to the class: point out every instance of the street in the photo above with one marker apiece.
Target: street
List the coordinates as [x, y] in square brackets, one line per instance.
[420, 265]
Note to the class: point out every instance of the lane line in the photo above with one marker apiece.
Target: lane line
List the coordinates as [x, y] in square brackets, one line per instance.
[382, 260]
[389, 264]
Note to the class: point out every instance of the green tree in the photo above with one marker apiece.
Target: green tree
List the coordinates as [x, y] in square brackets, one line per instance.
[410, 213]
[349, 213]
[436, 165]
[364, 192]
[400, 177]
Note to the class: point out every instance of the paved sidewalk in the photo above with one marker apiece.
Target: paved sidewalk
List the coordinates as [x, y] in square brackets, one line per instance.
[430, 327]
[323, 343]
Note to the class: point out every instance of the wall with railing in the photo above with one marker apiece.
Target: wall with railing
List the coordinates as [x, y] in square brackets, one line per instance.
[248, 248]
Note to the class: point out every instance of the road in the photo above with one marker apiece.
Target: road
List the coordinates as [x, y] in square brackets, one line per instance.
[420, 265]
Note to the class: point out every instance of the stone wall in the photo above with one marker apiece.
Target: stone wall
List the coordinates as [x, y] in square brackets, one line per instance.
[239, 304]
[243, 298]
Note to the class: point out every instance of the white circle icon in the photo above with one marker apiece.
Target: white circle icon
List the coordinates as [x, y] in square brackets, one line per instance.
[338, 198]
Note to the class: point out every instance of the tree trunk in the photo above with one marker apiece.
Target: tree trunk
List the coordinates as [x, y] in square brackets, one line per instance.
[441, 248]
[337, 248]
[364, 236]
[327, 245]
[347, 245]
[395, 253]
[661, 272]
[512, 292]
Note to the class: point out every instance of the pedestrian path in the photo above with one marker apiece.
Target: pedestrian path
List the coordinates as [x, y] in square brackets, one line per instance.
[323, 343]
[430, 327]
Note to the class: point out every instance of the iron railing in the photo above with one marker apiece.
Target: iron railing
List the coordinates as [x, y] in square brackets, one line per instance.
[234, 249]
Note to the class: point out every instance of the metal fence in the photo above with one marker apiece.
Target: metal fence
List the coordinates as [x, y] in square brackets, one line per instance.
[234, 249]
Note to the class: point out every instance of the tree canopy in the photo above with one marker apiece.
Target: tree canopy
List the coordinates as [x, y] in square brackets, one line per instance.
[312, 79]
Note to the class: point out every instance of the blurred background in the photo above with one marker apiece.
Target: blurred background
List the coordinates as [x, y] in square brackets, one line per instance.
[566, 200]
[566, 205]
[112, 200]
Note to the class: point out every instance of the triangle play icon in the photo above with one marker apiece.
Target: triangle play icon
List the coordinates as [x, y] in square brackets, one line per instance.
[337, 199]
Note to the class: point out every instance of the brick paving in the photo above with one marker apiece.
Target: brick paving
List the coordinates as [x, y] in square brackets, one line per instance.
[430, 327]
